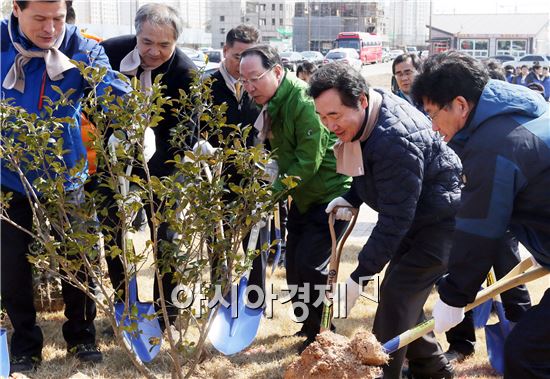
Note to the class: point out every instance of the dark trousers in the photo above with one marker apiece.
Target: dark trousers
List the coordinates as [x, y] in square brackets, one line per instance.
[17, 289]
[419, 262]
[308, 248]
[527, 348]
[165, 248]
[516, 301]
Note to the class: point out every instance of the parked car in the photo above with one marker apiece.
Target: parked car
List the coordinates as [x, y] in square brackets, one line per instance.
[411, 50]
[386, 54]
[344, 55]
[291, 59]
[504, 59]
[214, 56]
[198, 57]
[395, 53]
[529, 60]
[314, 57]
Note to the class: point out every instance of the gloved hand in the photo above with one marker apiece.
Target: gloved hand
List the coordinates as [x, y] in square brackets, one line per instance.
[114, 142]
[203, 147]
[535, 263]
[149, 144]
[341, 213]
[347, 294]
[446, 316]
[271, 171]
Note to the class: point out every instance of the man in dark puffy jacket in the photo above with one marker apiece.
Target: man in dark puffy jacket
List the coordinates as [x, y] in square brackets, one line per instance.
[409, 176]
[504, 136]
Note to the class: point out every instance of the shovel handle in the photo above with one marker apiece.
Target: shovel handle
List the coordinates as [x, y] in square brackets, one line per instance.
[500, 286]
[336, 252]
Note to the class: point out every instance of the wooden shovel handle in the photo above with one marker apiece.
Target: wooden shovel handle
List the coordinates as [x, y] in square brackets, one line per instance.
[336, 252]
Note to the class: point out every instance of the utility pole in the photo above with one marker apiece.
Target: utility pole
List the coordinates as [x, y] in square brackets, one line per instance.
[430, 31]
[308, 26]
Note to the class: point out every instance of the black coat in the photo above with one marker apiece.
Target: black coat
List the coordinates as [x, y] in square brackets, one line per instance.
[244, 112]
[177, 74]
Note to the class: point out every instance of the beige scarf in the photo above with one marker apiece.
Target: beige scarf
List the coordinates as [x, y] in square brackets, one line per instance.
[129, 66]
[56, 62]
[349, 156]
[263, 125]
[234, 85]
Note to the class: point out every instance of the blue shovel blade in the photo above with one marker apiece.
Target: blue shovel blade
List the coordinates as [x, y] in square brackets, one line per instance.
[4, 354]
[481, 314]
[495, 337]
[231, 333]
[145, 339]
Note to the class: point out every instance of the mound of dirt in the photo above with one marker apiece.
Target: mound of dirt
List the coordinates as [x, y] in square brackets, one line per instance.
[335, 356]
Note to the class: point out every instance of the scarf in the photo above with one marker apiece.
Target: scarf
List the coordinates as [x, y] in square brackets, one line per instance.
[263, 125]
[56, 62]
[349, 156]
[234, 85]
[129, 66]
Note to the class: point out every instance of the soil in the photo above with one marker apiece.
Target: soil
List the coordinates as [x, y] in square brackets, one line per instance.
[336, 356]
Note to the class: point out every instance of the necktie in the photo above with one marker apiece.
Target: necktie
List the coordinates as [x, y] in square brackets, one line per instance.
[238, 88]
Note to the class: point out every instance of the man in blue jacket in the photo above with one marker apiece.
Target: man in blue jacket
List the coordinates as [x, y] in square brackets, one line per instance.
[504, 134]
[412, 179]
[37, 47]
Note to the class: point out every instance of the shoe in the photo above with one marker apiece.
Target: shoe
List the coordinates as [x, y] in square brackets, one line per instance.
[305, 344]
[454, 356]
[24, 363]
[86, 352]
[446, 372]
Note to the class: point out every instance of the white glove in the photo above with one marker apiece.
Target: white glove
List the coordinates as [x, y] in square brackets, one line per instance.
[149, 144]
[271, 170]
[347, 294]
[203, 147]
[446, 317]
[535, 263]
[341, 213]
[114, 142]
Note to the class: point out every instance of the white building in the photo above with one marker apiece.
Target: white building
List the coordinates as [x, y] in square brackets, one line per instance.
[406, 22]
[272, 18]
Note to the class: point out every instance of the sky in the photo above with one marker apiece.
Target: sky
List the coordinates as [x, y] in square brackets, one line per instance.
[491, 6]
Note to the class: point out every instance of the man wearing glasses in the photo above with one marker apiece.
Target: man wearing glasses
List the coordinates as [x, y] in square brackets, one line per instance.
[303, 148]
[402, 170]
[405, 68]
[503, 134]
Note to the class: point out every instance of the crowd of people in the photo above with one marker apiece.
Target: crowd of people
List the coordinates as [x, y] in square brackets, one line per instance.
[456, 162]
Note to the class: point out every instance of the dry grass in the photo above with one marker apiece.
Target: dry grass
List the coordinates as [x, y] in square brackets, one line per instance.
[272, 351]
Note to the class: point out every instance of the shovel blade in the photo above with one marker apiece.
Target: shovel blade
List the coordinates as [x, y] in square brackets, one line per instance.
[481, 314]
[4, 354]
[146, 338]
[230, 331]
[495, 336]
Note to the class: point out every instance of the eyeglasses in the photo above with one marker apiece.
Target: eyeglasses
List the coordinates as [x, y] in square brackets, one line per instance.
[404, 73]
[433, 116]
[254, 81]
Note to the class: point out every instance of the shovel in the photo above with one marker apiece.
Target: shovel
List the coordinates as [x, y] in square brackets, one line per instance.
[277, 221]
[142, 333]
[514, 278]
[4, 354]
[336, 252]
[235, 325]
[496, 334]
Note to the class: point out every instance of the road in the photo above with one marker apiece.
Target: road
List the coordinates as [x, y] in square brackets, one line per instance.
[378, 75]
